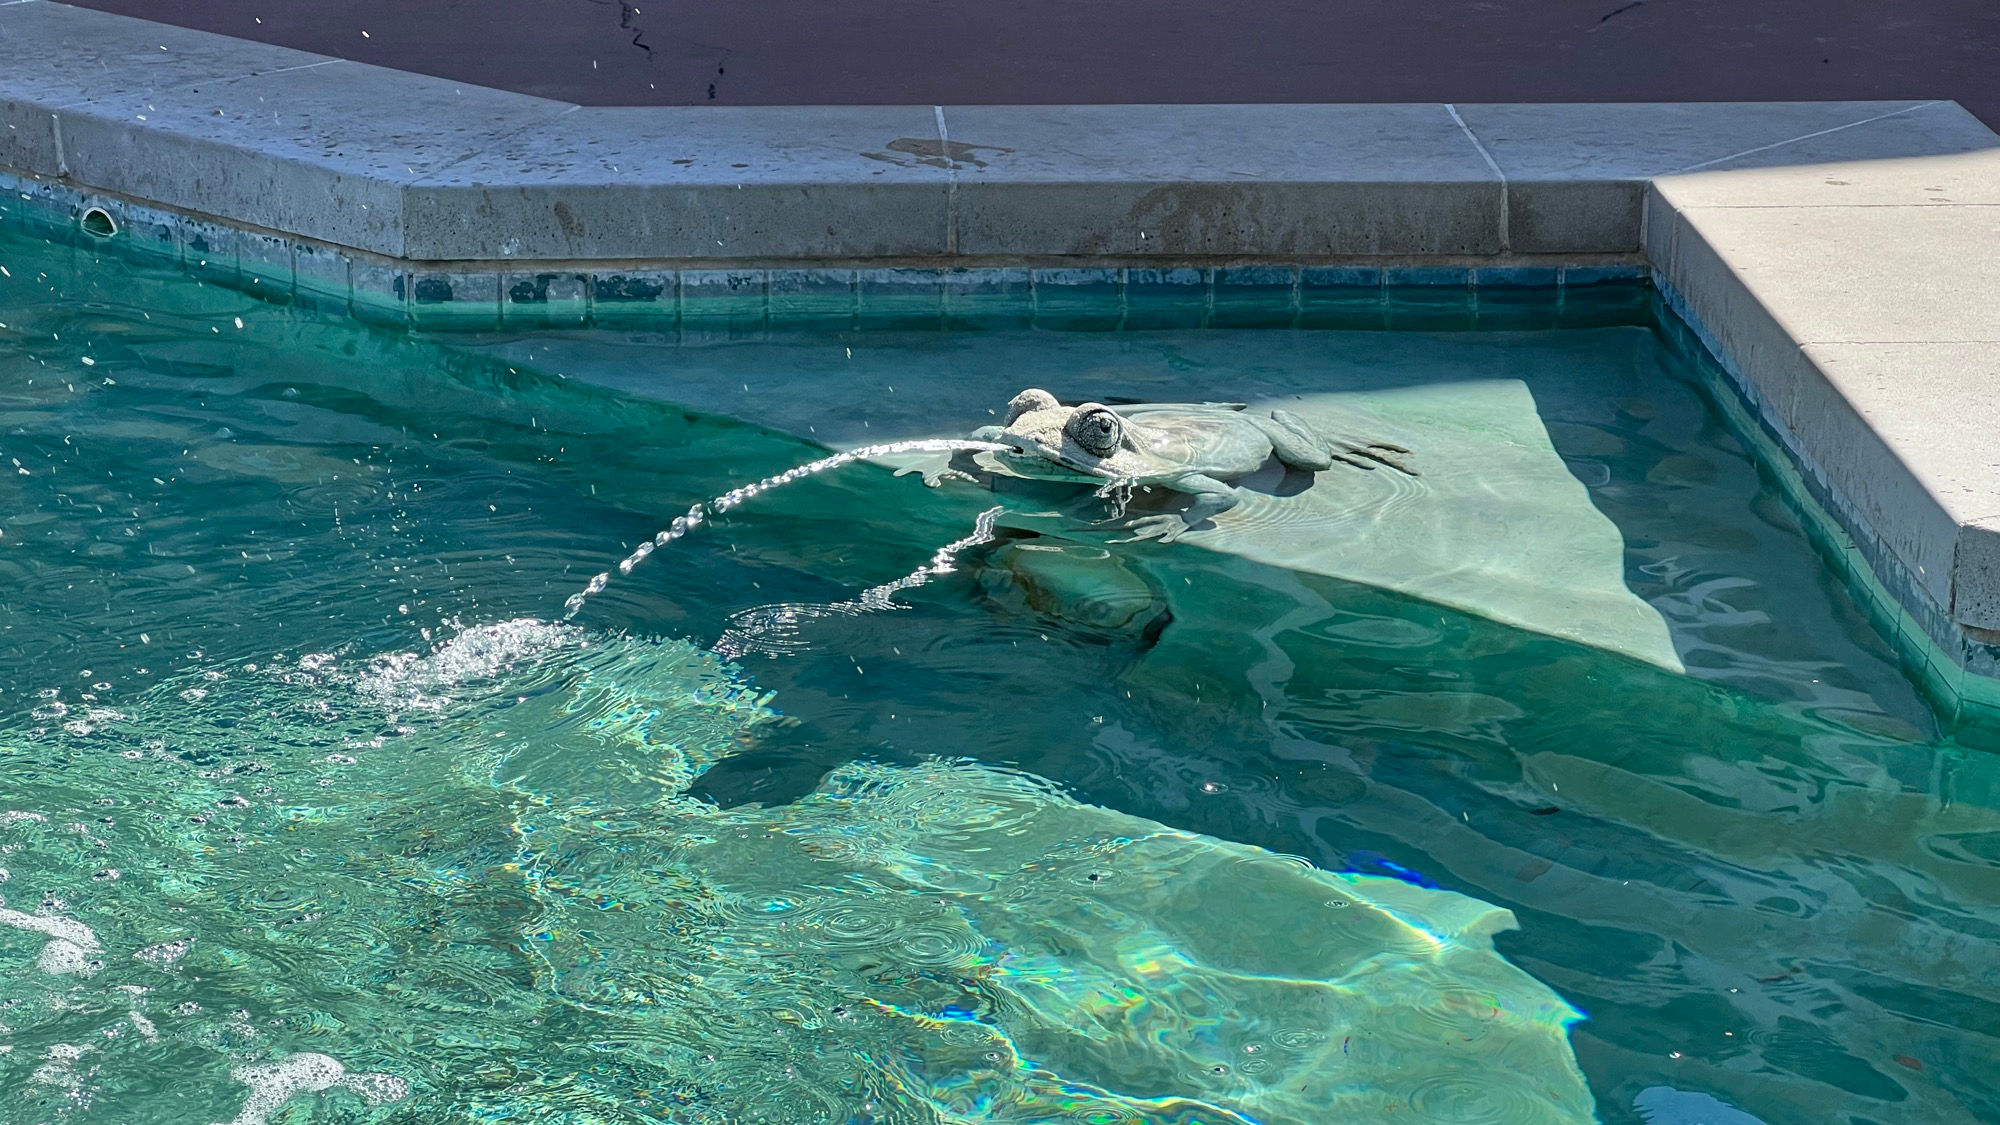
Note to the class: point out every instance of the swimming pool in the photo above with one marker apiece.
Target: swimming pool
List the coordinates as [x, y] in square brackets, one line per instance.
[299, 766]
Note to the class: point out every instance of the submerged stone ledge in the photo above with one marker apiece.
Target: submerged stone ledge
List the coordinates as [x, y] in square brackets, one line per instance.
[1840, 260]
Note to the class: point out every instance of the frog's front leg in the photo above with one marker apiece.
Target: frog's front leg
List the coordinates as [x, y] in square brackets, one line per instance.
[937, 467]
[1211, 498]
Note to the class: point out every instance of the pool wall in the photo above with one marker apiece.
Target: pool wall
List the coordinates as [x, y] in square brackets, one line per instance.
[1838, 263]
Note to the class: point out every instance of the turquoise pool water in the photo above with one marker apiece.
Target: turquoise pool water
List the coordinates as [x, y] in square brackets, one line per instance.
[311, 810]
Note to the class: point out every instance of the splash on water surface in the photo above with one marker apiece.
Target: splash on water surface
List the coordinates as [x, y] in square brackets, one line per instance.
[471, 657]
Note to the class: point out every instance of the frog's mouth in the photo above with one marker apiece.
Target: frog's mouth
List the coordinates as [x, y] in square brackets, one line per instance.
[1026, 457]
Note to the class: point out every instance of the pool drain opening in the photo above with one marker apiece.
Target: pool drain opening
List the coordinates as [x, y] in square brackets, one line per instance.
[97, 221]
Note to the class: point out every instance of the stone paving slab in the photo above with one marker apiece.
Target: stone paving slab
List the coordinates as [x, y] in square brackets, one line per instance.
[1935, 153]
[322, 151]
[1869, 339]
[59, 56]
[1220, 180]
[1576, 174]
[1942, 506]
[693, 183]
[1859, 274]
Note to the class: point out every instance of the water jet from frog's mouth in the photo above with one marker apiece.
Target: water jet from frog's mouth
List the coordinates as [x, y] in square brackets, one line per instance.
[772, 630]
[700, 512]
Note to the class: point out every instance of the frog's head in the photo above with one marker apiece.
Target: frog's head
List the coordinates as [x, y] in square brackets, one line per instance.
[1050, 440]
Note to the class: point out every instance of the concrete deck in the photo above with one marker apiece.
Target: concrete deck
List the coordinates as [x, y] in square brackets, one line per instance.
[1842, 259]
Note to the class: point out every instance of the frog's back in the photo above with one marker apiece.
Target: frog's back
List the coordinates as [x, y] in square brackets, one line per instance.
[1217, 440]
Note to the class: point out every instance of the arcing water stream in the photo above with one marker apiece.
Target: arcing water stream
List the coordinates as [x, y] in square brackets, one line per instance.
[730, 499]
[770, 629]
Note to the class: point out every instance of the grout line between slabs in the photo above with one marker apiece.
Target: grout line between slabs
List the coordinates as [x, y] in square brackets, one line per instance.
[950, 184]
[1505, 242]
[1805, 137]
[88, 102]
[287, 69]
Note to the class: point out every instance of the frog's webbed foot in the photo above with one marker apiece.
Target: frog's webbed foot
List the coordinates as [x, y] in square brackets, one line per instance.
[937, 469]
[1165, 528]
[1367, 453]
[1211, 497]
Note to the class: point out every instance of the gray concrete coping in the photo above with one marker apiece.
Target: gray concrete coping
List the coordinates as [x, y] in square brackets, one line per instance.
[409, 166]
[1841, 259]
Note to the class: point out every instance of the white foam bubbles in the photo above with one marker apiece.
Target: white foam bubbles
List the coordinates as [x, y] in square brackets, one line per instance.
[432, 681]
[66, 958]
[72, 947]
[274, 1084]
[59, 1066]
[164, 954]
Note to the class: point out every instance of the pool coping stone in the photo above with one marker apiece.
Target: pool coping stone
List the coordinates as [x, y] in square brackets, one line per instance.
[1840, 260]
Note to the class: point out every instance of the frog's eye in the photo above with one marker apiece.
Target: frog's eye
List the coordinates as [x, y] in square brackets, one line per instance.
[1029, 400]
[1095, 428]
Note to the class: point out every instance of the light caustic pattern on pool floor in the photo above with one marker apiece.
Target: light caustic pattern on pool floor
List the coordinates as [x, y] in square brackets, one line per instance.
[927, 943]
[305, 802]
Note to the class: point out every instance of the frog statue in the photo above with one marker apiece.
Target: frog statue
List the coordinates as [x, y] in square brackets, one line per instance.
[1192, 448]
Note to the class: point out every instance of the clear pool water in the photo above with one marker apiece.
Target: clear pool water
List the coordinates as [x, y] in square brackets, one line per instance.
[309, 811]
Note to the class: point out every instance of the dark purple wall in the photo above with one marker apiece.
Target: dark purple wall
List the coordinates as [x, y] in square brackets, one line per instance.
[774, 52]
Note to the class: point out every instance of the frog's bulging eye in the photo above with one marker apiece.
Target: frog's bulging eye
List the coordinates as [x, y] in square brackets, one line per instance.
[1096, 429]
[1029, 400]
